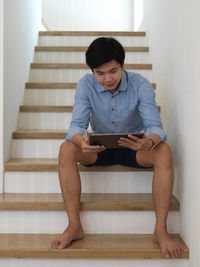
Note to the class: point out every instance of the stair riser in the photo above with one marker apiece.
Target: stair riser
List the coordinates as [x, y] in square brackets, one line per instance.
[79, 57]
[44, 120]
[63, 97]
[25, 148]
[92, 182]
[67, 75]
[99, 222]
[86, 40]
[92, 263]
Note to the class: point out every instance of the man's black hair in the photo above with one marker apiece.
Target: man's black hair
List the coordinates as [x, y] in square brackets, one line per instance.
[103, 50]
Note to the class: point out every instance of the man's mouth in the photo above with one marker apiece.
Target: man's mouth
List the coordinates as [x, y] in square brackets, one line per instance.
[110, 84]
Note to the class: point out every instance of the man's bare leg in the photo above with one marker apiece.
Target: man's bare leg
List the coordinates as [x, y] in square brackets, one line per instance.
[70, 183]
[162, 185]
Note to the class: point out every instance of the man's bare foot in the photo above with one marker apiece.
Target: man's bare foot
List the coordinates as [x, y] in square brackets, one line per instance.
[71, 233]
[170, 248]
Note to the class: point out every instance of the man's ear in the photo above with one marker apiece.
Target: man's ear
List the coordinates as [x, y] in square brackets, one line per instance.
[122, 65]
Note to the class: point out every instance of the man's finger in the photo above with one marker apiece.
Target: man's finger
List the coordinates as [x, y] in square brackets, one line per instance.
[134, 138]
[128, 143]
[143, 132]
[86, 139]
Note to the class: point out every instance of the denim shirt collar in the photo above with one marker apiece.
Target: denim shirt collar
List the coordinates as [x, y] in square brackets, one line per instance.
[122, 87]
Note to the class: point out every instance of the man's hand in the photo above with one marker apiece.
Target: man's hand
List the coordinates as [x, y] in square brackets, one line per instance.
[87, 148]
[136, 143]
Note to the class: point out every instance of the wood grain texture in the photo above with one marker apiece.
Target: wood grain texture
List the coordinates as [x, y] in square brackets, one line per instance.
[42, 164]
[91, 33]
[105, 246]
[84, 48]
[89, 201]
[58, 85]
[51, 85]
[84, 66]
[39, 134]
[40, 108]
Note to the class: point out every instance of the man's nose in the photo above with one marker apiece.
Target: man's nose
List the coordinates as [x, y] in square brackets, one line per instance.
[108, 78]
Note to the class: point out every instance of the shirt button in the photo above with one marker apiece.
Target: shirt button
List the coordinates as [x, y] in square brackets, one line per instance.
[113, 96]
[113, 109]
[113, 122]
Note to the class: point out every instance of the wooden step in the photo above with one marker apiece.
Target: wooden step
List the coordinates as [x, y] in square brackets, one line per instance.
[39, 134]
[98, 246]
[91, 33]
[58, 85]
[46, 108]
[84, 48]
[89, 201]
[84, 66]
[35, 108]
[51, 165]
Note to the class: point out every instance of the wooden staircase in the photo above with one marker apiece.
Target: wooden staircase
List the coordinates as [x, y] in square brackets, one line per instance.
[116, 203]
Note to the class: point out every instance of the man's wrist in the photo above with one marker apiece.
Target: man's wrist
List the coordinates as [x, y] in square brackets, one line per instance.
[154, 139]
[152, 143]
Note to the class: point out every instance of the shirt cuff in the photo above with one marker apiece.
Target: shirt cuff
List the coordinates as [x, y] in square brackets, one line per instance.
[75, 130]
[160, 132]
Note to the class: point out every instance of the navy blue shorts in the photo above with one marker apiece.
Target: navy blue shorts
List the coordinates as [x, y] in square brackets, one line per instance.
[122, 156]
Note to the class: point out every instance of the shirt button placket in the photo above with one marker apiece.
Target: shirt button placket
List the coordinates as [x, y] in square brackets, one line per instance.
[113, 119]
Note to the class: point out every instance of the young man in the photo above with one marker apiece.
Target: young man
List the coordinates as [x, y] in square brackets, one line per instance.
[113, 100]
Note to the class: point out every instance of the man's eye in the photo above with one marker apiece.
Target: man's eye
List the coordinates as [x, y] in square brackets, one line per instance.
[113, 71]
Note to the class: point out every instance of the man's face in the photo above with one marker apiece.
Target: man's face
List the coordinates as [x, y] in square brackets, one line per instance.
[109, 75]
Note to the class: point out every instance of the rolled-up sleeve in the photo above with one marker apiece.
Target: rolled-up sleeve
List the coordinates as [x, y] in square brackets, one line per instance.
[149, 111]
[81, 111]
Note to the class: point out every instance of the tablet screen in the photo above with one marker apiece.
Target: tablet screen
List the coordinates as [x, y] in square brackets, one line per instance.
[110, 140]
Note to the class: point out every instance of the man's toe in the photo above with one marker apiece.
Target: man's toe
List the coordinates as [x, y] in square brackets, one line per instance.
[54, 244]
[63, 244]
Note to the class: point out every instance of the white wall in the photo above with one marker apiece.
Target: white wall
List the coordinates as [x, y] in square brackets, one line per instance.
[89, 15]
[22, 22]
[174, 34]
[1, 92]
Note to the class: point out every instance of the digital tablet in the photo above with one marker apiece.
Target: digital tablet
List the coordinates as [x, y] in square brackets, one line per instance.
[110, 140]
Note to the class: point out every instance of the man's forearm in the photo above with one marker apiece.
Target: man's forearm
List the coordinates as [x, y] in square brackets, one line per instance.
[77, 138]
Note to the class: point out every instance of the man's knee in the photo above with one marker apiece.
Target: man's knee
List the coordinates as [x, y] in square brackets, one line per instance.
[68, 150]
[163, 155]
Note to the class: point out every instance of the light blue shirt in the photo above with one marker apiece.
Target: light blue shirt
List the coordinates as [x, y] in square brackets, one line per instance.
[130, 109]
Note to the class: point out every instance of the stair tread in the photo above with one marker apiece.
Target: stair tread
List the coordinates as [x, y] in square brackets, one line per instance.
[45, 108]
[51, 164]
[49, 108]
[84, 48]
[89, 201]
[91, 33]
[108, 246]
[82, 66]
[39, 134]
[50, 85]
[57, 85]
